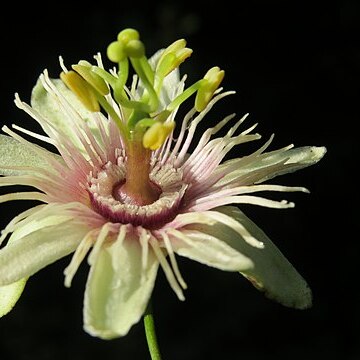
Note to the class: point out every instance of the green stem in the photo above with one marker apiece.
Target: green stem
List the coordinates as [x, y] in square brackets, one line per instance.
[184, 95]
[143, 73]
[110, 110]
[151, 334]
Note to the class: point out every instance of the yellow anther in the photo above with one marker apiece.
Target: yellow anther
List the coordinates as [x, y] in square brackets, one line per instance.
[214, 76]
[172, 57]
[175, 46]
[182, 55]
[213, 79]
[116, 52]
[156, 135]
[81, 89]
[84, 69]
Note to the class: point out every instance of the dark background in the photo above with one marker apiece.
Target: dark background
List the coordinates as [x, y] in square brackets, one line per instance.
[295, 67]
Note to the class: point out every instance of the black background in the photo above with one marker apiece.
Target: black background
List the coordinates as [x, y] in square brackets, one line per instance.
[295, 67]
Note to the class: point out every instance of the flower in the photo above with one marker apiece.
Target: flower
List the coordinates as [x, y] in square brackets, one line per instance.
[127, 191]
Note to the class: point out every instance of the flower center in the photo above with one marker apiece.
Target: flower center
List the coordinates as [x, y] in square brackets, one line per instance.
[108, 198]
[119, 193]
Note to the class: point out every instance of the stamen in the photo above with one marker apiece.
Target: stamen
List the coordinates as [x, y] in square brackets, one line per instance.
[85, 70]
[79, 86]
[185, 95]
[169, 60]
[156, 135]
[212, 80]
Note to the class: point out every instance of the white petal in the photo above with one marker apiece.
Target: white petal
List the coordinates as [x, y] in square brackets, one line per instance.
[27, 255]
[9, 295]
[118, 289]
[272, 272]
[13, 153]
[208, 250]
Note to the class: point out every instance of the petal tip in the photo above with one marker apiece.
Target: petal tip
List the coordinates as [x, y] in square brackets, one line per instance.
[300, 300]
[103, 334]
[9, 295]
[318, 152]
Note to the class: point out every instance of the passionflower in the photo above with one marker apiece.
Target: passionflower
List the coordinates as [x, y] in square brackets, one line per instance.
[130, 192]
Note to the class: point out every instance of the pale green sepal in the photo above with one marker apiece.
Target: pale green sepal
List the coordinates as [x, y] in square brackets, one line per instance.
[118, 289]
[272, 273]
[27, 255]
[14, 153]
[10, 294]
[49, 107]
[269, 165]
[296, 159]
